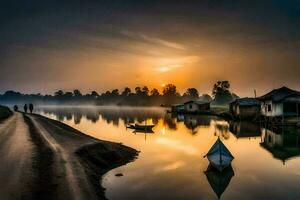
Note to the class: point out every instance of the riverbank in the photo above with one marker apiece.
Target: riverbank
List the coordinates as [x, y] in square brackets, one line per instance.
[62, 163]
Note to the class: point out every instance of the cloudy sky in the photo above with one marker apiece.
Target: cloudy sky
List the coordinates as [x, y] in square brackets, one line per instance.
[105, 44]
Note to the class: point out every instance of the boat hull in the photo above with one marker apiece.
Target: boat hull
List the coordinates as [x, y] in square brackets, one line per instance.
[219, 156]
[220, 167]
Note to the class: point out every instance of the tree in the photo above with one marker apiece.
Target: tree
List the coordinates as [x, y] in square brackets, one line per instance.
[138, 91]
[192, 93]
[221, 92]
[154, 92]
[94, 94]
[77, 93]
[115, 92]
[58, 93]
[206, 98]
[126, 91]
[145, 91]
[68, 95]
[107, 93]
[170, 90]
[221, 87]
[12, 94]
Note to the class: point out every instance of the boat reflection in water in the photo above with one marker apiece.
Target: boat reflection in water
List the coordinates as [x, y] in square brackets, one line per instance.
[145, 131]
[219, 181]
[140, 127]
[283, 142]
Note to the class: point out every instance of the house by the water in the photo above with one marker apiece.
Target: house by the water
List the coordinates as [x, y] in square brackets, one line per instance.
[196, 106]
[281, 105]
[245, 108]
[191, 107]
[178, 108]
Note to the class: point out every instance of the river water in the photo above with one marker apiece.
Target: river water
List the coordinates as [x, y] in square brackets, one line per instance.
[171, 164]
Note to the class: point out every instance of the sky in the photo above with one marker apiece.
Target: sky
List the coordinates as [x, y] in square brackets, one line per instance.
[105, 44]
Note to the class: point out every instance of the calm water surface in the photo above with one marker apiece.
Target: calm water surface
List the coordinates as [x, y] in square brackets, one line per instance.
[171, 164]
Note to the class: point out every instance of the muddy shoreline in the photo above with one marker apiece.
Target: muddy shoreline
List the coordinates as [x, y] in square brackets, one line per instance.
[92, 156]
[98, 163]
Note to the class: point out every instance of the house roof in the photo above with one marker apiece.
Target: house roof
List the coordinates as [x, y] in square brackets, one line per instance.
[279, 94]
[246, 101]
[197, 102]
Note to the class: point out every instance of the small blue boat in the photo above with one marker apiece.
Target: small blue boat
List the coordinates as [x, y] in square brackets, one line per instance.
[219, 156]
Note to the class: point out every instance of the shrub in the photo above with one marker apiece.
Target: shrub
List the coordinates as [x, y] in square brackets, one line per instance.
[5, 112]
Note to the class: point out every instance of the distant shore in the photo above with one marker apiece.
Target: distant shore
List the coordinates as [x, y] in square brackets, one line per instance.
[63, 162]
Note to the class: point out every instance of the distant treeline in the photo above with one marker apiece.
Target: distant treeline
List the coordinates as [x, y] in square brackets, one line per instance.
[140, 96]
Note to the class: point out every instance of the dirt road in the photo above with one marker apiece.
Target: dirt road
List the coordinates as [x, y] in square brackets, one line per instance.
[16, 151]
[45, 159]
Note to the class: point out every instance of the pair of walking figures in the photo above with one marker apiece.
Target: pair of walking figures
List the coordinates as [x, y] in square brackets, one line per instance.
[30, 108]
[25, 108]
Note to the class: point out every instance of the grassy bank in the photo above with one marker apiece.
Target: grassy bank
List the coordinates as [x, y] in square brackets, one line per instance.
[5, 112]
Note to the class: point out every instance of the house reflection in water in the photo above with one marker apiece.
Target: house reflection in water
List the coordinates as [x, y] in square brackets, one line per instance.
[192, 122]
[222, 129]
[245, 129]
[283, 143]
[180, 118]
[219, 181]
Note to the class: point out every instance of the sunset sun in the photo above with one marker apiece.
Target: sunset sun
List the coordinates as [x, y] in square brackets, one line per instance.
[164, 69]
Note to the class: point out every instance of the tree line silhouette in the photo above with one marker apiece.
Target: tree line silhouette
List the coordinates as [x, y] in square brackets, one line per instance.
[140, 96]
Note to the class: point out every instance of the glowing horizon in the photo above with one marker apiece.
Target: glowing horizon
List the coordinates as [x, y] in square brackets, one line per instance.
[190, 45]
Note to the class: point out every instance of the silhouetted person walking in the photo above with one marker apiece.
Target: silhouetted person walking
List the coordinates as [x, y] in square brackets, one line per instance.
[31, 107]
[25, 108]
[16, 108]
